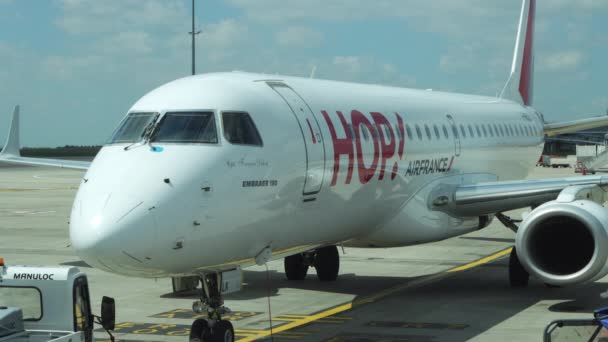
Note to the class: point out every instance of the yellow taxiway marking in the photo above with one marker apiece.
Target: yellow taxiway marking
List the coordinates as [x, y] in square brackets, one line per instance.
[374, 297]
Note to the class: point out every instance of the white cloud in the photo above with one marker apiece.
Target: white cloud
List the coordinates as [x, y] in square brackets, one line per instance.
[348, 64]
[561, 61]
[125, 43]
[94, 16]
[578, 4]
[225, 33]
[66, 68]
[298, 36]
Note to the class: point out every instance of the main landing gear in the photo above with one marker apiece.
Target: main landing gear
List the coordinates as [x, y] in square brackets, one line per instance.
[325, 260]
[213, 328]
[518, 276]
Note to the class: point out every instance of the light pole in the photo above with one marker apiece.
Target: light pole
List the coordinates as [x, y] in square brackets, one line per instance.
[193, 33]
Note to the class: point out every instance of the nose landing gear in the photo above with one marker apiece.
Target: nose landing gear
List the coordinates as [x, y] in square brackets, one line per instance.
[213, 328]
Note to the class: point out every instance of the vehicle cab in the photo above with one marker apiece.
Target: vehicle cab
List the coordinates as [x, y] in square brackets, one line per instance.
[49, 298]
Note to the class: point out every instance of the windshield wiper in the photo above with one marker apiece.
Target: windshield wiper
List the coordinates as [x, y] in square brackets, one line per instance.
[145, 135]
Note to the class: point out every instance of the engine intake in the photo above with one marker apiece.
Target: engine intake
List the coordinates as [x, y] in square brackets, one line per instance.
[565, 243]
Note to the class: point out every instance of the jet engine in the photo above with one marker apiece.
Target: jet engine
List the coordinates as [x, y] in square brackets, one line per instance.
[565, 242]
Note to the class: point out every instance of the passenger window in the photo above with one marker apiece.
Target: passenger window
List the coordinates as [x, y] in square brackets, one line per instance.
[374, 131]
[478, 131]
[186, 127]
[464, 133]
[409, 131]
[437, 135]
[364, 132]
[490, 130]
[351, 131]
[445, 132]
[471, 131]
[387, 132]
[428, 131]
[502, 132]
[418, 132]
[485, 133]
[455, 131]
[398, 132]
[133, 127]
[240, 129]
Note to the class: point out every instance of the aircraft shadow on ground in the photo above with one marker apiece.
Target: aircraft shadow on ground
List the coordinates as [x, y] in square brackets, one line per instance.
[260, 284]
[480, 298]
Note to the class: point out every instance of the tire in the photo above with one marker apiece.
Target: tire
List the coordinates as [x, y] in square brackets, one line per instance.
[223, 332]
[327, 263]
[518, 276]
[199, 331]
[295, 267]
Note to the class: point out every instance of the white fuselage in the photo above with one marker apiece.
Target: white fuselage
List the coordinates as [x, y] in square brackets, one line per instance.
[338, 165]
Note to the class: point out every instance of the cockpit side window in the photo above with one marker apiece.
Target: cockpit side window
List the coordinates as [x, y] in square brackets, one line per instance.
[133, 127]
[186, 127]
[240, 129]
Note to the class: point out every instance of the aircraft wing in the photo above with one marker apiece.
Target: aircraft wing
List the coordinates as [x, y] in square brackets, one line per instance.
[495, 197]
[574, 126]
[12, 155]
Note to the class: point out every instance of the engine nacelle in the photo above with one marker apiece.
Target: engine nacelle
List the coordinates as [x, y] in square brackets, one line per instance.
[565, 243]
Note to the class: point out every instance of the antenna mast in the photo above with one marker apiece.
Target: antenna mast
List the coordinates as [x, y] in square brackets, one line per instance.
[193, 33]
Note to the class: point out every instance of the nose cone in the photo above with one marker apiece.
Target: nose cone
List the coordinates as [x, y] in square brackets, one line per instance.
[112, 231]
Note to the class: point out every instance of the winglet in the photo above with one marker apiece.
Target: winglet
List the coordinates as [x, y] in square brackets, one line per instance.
[11, 147]
[519, 85]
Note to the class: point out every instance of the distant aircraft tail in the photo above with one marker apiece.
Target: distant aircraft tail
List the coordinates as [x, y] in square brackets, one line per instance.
[11, 152]
[519, 85]
[11, 147]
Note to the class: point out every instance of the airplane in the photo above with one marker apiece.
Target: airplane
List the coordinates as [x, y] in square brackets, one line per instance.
[212, 173]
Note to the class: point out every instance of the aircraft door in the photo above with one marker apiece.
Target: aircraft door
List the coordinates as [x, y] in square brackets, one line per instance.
[313, 140]
[455, 134]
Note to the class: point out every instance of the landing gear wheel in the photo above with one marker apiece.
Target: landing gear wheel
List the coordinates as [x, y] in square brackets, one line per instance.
[222, 332]
[296, 267]
[199, 331]
[213, 328]
[518, 276]
[327, 263]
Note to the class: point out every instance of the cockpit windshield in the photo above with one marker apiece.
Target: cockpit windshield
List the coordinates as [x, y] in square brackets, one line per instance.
[133, 127]
[186, 127]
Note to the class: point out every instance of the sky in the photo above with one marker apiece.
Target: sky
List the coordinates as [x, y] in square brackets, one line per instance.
[76, 66]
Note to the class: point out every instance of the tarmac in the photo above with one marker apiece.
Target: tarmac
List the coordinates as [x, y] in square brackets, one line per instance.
[453, 290]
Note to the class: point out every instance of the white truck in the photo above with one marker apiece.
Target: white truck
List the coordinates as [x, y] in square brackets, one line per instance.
[44, 304]
[559, 161]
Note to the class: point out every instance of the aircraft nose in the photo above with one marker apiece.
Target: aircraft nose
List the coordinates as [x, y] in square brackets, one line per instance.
[109, 231]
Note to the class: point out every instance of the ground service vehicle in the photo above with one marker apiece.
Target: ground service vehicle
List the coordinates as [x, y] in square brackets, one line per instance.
[579, 329]
[39, 304]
